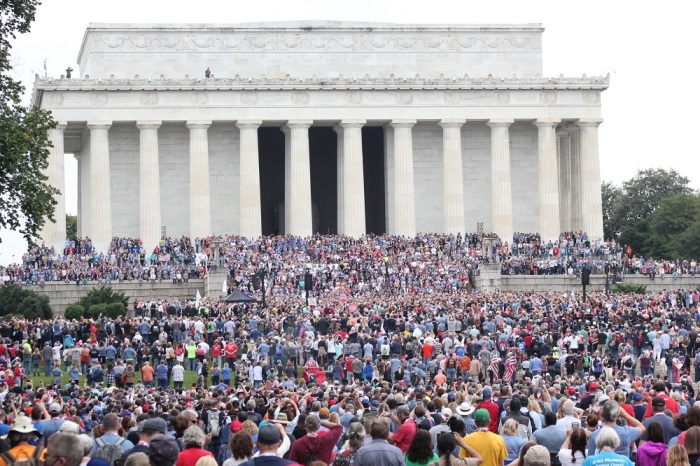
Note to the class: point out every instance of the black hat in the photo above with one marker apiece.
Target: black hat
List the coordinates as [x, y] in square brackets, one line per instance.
[269, 435]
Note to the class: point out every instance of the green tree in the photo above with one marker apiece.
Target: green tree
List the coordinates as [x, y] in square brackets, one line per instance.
[102, 295]
[611, 199]
[15, 299]
[628, 212]
[26, 200]
[689, 241]
[675, 216]
[71, 227]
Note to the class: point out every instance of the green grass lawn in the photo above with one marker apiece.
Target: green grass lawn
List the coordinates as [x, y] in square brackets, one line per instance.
[190, 378]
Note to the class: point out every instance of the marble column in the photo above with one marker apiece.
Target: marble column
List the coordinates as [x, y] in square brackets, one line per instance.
[591, 197]
[200, 199]
[452, 177]
[564, 155]
[550, 226]
[404, 183]
[501, 188]
[249, 198]
[100, 186]
[298, 207]
[82, 213]
[340, 173]
[53, 234]
[353, 184]
[149, 180]
[574, 149]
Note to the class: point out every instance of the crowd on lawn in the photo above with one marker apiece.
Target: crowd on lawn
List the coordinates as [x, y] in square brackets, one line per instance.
[396, 360]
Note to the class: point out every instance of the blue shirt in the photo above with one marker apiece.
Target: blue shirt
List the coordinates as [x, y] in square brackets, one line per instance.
[628, 435]
[607, 458]
[111, 439]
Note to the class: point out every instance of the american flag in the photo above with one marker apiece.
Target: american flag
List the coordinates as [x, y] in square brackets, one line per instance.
[494, 366]
[510, 367]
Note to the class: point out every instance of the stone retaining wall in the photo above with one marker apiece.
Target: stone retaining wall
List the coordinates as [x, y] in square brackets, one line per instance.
[561, 283]
[62, 294]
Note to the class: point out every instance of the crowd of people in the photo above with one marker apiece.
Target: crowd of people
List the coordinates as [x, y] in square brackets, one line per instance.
[395, 360]
[180, 259]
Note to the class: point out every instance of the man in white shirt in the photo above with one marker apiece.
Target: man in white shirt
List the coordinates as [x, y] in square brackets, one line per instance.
[568, 409]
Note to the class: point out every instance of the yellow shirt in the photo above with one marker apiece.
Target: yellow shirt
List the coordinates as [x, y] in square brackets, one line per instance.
[490, 446]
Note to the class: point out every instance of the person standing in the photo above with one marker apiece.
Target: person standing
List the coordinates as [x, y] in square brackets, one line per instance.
[63, 450]
[212, 423]
[404, 435]
[321, 446]
[653, 452]
[269, 440]
[625, 435]
[607, 442]
[178, 374]
[379, 451]
[488, 445]
[162, 375]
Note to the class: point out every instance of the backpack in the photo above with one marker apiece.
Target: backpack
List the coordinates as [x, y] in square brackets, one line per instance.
[629, 363]
[213, 426]
[109, 451]
[31, 461]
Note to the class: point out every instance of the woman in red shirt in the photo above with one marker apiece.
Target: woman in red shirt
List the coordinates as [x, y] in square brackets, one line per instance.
[193, 439]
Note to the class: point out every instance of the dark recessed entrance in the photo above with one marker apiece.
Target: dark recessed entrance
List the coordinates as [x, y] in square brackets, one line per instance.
[323, 158]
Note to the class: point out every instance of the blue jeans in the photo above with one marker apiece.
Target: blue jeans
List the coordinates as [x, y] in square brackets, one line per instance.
[47, 367]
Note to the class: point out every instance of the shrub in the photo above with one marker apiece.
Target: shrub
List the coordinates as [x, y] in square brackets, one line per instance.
[115, 310]
[35, 307]
[15, 299]
[96, 310]
[74, 311]
[103, 295]
[629, 288]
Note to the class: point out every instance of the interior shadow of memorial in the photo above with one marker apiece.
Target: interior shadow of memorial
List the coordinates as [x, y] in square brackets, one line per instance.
[323, 158]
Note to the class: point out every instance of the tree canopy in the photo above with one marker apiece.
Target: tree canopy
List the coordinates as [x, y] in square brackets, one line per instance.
[26, 200]
[18, 300]
[655, 213]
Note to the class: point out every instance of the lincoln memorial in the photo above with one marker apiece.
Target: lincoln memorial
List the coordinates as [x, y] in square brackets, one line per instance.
[329, 127]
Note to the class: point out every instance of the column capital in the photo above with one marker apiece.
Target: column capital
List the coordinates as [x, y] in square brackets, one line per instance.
[352, 123]
[500, 122]
[93, 125]
[452, 122]
[248, 124]
[403, 123]
[198, 124]
[546, 122]
[589, 122]
[299, 124]
[150, 124]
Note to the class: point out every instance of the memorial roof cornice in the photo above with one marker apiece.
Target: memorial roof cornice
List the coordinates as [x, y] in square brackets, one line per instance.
[308, 25]
[238, 83]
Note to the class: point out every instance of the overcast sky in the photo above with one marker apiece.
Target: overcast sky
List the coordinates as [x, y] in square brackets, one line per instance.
[649, 49]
